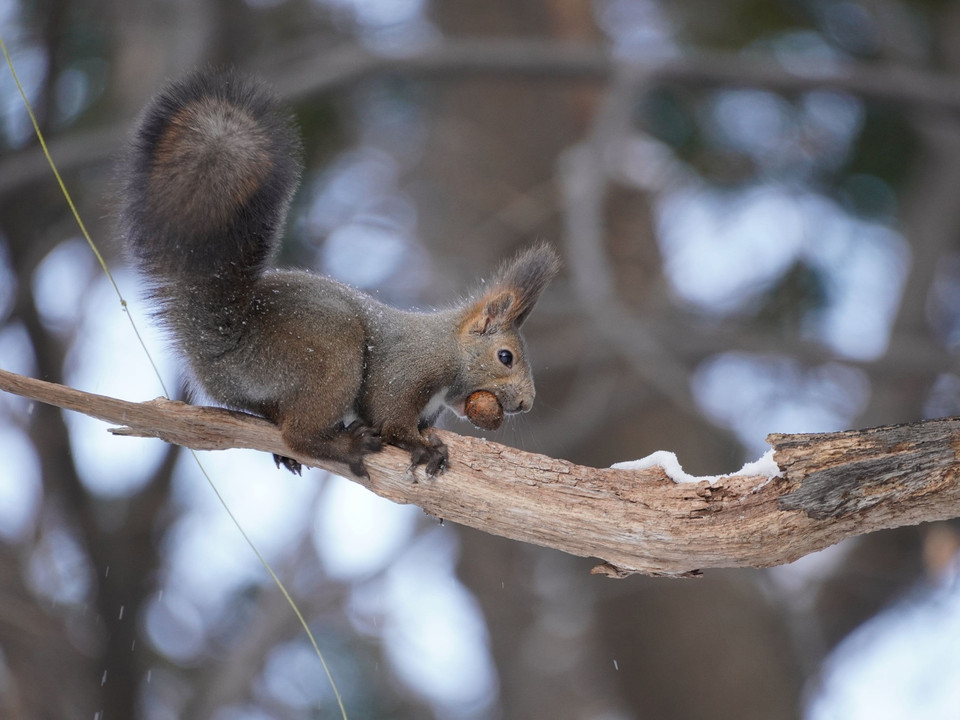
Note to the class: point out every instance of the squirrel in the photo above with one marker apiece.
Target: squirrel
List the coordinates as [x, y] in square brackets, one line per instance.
[207, 179]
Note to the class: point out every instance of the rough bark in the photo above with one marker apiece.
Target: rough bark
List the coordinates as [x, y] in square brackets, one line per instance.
[834, 486]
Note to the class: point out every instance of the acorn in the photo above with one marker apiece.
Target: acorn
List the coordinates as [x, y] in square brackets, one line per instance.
[484, 410]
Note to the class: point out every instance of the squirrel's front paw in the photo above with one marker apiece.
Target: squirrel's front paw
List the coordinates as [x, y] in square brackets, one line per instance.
[433, 454]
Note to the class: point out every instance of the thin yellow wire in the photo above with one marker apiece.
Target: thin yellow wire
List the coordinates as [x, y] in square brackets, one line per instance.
[276, 580]
[136, 331]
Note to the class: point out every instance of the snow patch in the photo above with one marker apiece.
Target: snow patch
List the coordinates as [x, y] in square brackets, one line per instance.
[765, 467]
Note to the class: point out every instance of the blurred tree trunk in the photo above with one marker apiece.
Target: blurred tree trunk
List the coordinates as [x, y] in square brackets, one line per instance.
[557, 641]
[708, 648]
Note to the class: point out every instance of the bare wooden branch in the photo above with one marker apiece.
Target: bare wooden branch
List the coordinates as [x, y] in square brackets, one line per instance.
[834, 486]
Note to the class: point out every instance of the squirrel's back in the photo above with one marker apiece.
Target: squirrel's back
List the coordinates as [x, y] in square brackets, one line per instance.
[208, 177]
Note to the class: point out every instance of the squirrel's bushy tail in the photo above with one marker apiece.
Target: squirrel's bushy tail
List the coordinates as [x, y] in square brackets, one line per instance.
[207, 180]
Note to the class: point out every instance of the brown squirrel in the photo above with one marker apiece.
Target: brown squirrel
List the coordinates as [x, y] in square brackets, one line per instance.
[208, 177]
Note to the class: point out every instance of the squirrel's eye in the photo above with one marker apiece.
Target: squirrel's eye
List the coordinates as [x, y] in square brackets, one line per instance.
[506, 357]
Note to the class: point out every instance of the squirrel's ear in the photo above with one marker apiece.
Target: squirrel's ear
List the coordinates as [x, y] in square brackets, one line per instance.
[513, 291]
[489, 313]
[524, 278]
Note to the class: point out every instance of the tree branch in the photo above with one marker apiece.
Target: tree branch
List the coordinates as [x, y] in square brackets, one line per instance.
[298, 78]
[834, 486]
[897, 85]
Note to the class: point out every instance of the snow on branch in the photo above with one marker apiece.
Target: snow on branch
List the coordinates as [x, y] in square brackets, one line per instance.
[830, 487]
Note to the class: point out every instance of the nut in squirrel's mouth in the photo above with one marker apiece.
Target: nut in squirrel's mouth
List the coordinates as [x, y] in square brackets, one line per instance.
[460, 409]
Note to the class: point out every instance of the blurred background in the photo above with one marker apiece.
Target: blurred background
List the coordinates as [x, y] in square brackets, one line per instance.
[758, 206]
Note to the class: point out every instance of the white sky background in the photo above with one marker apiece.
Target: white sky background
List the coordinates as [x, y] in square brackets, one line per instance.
[719, 250]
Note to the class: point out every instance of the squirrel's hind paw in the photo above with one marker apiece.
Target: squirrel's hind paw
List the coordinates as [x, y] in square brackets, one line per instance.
[364, 439]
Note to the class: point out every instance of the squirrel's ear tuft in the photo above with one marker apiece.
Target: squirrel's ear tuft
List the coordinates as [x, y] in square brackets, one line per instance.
[513, 292]
[525, 278]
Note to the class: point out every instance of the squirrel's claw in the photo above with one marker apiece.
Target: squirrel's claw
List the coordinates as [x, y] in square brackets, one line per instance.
[289, 463]
[359, 469]
[433, 455]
